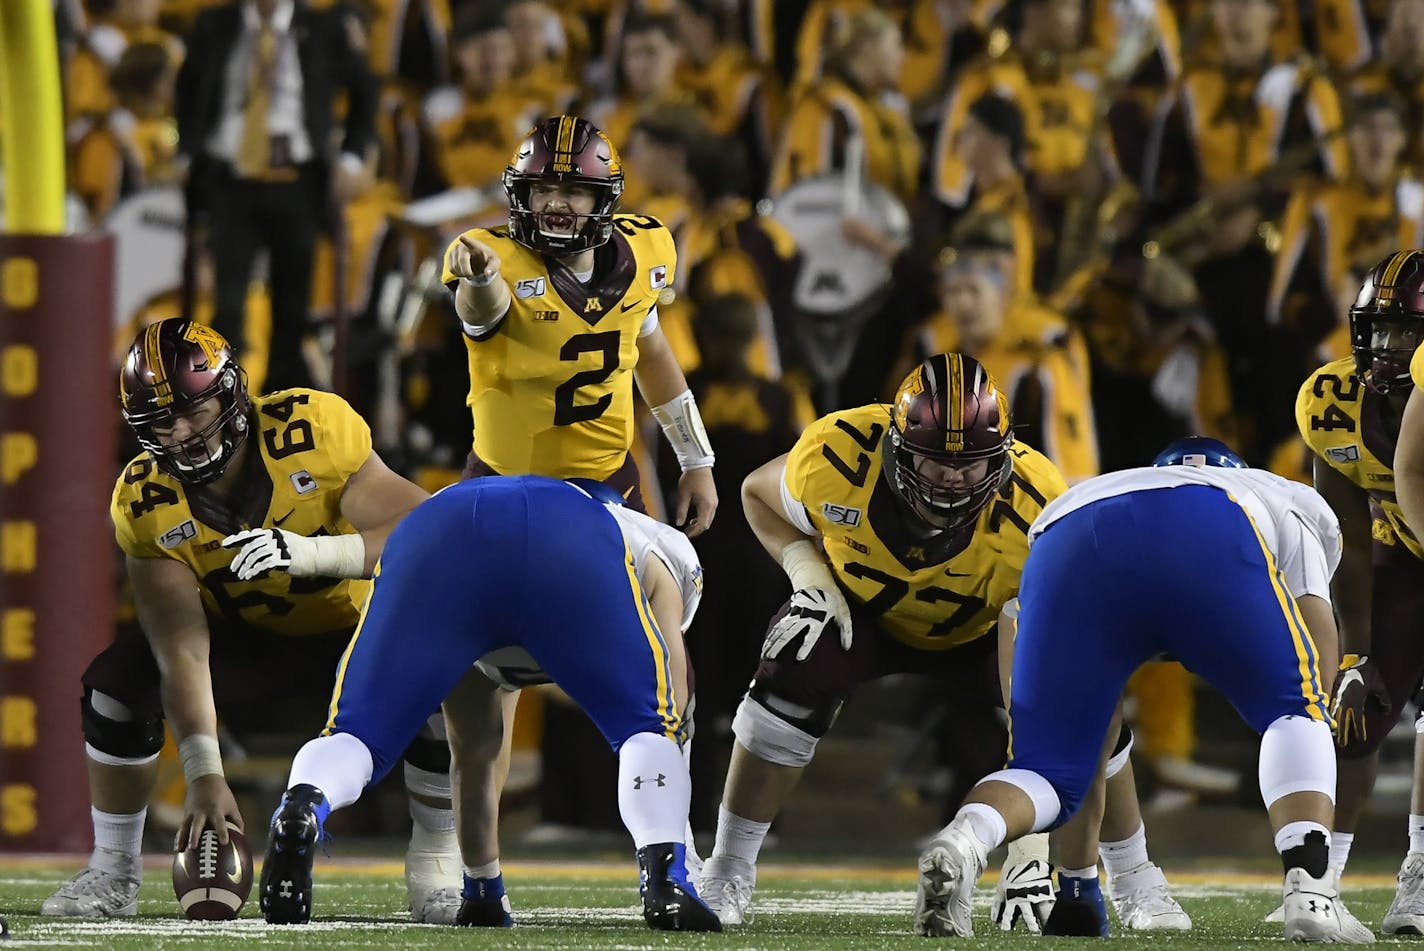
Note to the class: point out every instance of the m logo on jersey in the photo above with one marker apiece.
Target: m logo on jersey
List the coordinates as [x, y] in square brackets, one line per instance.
[177, 536]
[592, 305]
[657, 276]
[529, 287]
[1350, 453]
[303, 482]
[841, 514]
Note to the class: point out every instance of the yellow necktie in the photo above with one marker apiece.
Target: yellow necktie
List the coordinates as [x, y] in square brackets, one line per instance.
[254, 151]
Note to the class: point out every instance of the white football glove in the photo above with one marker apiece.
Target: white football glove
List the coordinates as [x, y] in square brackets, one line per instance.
[1024, 893]
[810, 612]
[270, 549]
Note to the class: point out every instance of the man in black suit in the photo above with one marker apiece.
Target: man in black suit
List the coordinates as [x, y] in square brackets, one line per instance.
[254, 108]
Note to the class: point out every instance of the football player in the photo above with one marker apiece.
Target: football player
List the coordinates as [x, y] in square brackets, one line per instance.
[560, 318]
[248, 525]
[483, 568]
[1223, 567]
[1349, 413]
[922, 511]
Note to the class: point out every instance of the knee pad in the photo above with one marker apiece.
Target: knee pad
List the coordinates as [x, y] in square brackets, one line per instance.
[807, 719]
[114, 734]
[1121, 753]
[1048, 805]
[430, 750]
[771, 736]
[1297, 755]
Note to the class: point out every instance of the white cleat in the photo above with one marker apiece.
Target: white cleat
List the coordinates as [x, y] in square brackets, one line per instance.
[1143, 902]
[94, 893]
[949, 867]
[1312, 911]
[726, 886]
[434, 876]
[440, 907]
[1406, 912]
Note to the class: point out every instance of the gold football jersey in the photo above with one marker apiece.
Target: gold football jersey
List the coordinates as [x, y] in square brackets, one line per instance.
[551, 387]
[1339, 418]
[927, 597]
[305, 445]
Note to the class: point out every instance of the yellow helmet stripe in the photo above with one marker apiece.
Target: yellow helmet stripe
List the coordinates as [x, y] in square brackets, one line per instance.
[1396, 264]
[153, 357]
[954, 400]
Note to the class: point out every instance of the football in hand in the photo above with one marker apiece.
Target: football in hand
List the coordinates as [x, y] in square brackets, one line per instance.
[212, 881]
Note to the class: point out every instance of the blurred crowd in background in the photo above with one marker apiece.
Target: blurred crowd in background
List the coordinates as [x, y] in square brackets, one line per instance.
[1146, 217]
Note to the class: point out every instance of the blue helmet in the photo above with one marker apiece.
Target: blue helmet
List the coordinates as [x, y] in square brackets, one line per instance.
[600, 491]
[1199, 451]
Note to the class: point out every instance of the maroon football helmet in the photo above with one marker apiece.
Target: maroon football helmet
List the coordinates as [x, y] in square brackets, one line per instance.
[569, 150]
[173, 367]
[951, 411]
[1390, 300]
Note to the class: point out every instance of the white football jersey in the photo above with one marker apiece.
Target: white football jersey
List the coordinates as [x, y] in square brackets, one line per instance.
[1296, 524]
[647, 538]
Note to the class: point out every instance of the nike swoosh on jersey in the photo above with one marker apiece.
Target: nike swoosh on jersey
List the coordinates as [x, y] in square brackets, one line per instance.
[628, 307]
[280, 520]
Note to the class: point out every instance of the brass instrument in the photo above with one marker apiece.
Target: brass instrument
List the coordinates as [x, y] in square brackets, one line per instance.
[1185, 236]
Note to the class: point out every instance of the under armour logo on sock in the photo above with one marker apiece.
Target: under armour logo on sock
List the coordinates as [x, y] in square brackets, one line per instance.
[638, 781]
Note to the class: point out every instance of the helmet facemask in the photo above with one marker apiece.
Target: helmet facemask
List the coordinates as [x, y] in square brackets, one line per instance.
[195, 461]
[1382, 347]
[944, 504]
[590, 230]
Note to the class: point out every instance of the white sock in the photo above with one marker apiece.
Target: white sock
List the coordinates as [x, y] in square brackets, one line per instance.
[118, 842]
[483, 871]
[1416, 833]
[654, 790]
[987, 824]
[1293, 834]
[1340, 843]
[339, 765]
[1091, 872]
[1125, 855]
[739, 838]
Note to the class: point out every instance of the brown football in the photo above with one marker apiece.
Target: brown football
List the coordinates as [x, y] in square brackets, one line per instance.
[212, 882]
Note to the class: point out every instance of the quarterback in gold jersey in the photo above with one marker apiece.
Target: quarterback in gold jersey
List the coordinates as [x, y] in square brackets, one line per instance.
[248, 526]
[560, 318]
[1352, 412]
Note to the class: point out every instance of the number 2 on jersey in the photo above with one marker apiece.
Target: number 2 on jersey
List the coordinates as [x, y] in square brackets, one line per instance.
[606, 344]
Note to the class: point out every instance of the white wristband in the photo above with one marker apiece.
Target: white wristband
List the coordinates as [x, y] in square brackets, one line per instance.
[484, 280]
[338, 556]
[200, 756]
[682, 424]
[805, 567]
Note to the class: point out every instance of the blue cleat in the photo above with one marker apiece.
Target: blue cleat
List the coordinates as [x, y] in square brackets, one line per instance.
[670, 903]
[1078, 909]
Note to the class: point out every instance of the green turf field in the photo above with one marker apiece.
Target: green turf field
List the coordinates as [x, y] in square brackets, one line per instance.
[593, 906]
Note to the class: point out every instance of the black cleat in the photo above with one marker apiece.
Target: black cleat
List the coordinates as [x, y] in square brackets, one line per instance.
[286, 888]
[670, 903]
[483, 904]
